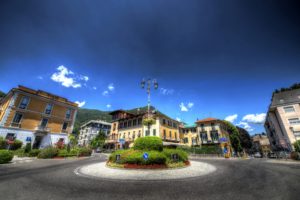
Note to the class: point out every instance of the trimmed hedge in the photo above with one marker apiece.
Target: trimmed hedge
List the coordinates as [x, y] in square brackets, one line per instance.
[17, 144]
[148, 143]
[182, 155]
[2, 143]
[48, 152]
[34, 152]
[202, 150]
[5, 156]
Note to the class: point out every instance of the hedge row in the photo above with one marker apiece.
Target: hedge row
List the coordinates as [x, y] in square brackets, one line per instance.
[5, 156]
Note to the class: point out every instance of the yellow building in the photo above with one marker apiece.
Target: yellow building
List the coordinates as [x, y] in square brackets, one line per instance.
[36, 116]
[128, 126]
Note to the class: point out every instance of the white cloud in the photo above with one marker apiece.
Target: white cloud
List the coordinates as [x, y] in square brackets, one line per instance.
[95, 88]
[186, 108]
[67, 78]
[245, 125]
[255, 118]
[190, 105]
[183, 108]
[80, 104]
[108, 106]
[105, 93]
[40, 77]
[111, 87]
[165, 91]
[178, 119]
[231, 118]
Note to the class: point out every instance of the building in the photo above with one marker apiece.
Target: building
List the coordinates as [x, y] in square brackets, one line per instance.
[36, 116]
[283, 120]
[261, 144]
[213, 132]
[89, 130]
[190, 137]
[128, 126]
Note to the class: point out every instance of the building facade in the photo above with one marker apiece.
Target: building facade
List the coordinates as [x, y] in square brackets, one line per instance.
[89, 131]
[261, 144]
[127, 126]
[36, 116]
[283, 120]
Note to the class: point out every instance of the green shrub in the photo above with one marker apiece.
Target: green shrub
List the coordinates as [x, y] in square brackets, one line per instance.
[34, 153]
[148, 143]
[122, 153]
[27, 147]
[182, 155]
[17, 144]
[63, 153]
[202, 150]
[84, 151]
[297, 146]
[155, 157]
[5, 156]
[2, 143]
[48, 152]
[134, 157]
[20, 153]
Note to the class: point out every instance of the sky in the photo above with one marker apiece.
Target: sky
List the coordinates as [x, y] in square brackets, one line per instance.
[211, 58]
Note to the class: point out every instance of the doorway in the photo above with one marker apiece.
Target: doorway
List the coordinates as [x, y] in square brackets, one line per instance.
[37, 142]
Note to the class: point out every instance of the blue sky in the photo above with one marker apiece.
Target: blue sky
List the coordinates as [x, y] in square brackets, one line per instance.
[210, 58]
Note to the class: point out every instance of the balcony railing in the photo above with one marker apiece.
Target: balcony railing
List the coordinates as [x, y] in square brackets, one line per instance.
[42, 129]
[15, 125]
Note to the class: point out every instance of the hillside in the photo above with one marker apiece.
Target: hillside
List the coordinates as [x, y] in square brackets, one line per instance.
[85, 115]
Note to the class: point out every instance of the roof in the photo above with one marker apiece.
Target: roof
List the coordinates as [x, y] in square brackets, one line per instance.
[209, 119]
[190, 126]
[97, 122]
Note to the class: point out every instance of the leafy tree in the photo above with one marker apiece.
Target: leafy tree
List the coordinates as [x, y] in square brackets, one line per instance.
[297, 146]
[234, 136]
[99, 140]
[245, 139]
[72, 139]
[2, 94]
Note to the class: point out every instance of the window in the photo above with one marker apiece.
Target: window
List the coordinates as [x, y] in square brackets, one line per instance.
[294, 121]
[48, 109]
[297, 133]
[17, 118]
[129, 123]
[44, 122]
[214, 136]
[147, 132]
[164, 121]
[139, 135]
[170, 134]
[186, 140]
[289, 109]
[175, 136]
[10, 136]
[164, 133]
[154, 132]
[24, 103]
[65, 126]
[133, 134]
[68, 113]
[134, 122]
[139, 121]
[203, 136]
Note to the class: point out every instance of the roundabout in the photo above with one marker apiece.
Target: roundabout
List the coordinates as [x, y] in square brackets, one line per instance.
[100, 170]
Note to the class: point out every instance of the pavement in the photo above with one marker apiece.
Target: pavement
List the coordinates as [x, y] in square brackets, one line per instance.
[100, 170]
[232, 179]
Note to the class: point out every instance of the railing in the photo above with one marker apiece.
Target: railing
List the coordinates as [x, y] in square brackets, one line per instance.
[42, 129]
[15, 125]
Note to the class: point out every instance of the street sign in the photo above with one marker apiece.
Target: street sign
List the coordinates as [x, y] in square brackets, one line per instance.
[28, 139]
[145, 156]
[122, 141]
[225, 150]
[223, 139]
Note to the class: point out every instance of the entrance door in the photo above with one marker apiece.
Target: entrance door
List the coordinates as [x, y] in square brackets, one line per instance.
[37, 142]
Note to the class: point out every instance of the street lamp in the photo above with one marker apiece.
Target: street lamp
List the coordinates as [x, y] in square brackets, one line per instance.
[149, 82]
[148, 85]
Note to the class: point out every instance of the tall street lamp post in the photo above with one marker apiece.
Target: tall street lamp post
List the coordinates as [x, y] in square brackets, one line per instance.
[148, 83]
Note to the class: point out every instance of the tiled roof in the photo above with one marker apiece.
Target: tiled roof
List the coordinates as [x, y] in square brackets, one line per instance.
[209, 119]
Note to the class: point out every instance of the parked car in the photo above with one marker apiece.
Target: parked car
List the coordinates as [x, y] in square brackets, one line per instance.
[257, 155]
[272, 155]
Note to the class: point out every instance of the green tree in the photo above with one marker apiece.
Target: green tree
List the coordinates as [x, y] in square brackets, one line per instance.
[234, 136]
[2, 94]
[73, 140]
[297, 146]
[99, 140]
[245, 139]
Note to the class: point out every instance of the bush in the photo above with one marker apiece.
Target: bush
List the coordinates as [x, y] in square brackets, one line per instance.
[63, 153]
[20, 153]
[17, 144]
[5, 156]
[155, 157]
[295, 155]
[2, 143]
[48, 152]
[27, 147]
[80, 151]
[202, 150]
[148, 143]
[34, 153]
[297, 146]
[182, 155]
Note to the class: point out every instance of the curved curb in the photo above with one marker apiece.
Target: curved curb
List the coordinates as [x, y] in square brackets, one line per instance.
[99, 170]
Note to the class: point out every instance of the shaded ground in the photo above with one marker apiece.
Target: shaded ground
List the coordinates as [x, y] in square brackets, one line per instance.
[233, 179]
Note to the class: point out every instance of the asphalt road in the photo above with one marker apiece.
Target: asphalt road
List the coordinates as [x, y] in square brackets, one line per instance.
[234, 179]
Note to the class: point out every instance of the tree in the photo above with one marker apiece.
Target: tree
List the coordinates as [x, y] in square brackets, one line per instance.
[297, 146]
[2, 94]
[72, 140]
[234, 136]
[99, 140]
[245, 139]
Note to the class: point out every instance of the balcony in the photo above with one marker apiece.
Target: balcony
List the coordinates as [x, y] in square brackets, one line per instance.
[15, 125]
[43, 129]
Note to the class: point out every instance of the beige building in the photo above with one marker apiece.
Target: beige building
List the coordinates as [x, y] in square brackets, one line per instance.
[128, 126]
[261, 144]
[36, 116]
[283, 120]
